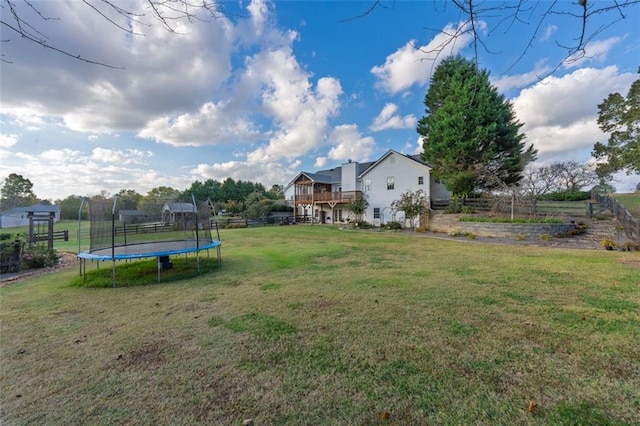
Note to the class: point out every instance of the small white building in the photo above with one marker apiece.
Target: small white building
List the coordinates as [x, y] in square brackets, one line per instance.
[19, 216]
[322, 196]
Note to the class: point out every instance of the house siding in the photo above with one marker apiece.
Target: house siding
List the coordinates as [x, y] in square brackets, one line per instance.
[353, 180]
[405, 172]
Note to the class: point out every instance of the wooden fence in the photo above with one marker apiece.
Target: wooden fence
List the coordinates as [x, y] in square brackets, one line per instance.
[246, 223]
[521, 206]
[624, 217]
[143, 228]
[56, 235]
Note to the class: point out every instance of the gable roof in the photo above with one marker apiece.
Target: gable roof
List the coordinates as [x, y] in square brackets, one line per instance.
[36, 208]
[179, 207]
[334, 175]
[417, 158]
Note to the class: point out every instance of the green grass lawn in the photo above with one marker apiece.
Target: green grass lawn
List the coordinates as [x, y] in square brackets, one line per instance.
[630, 201]
[314, 325]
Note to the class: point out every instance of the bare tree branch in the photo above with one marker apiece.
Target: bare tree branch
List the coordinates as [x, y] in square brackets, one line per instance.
[523, 12]
[167, 12]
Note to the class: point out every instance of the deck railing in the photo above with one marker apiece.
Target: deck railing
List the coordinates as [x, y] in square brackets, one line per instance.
[328, 197]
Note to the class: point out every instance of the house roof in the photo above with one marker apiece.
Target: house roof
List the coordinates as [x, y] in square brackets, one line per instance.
[334, 175]
[417, 158]
[36, 208]
[179, 207]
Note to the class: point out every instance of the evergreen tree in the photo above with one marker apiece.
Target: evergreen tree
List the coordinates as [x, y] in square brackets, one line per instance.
[470, 134]
[620, 117]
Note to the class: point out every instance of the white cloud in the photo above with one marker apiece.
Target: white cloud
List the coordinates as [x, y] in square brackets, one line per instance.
[7, 141]
[211, 124]
[548, 32]
[567, 99]
[595, 51]
[560, 113]
[162, 72]
[388, 119]
[320, 162]
[127, 156]
[266, 173]
[300, 112]
[349, 144]
[411, 65]
[521, 80]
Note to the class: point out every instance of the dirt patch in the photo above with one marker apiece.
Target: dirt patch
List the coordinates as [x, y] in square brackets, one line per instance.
[148, 356]
[633, 263]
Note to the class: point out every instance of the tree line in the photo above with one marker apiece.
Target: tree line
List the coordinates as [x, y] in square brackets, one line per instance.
[236, 197]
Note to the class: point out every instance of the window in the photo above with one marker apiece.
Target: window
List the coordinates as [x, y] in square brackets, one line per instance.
[391, 182]
[376, 212]
[420, 180]
[367, 185]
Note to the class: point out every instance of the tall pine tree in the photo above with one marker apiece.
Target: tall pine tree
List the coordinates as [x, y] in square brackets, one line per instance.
[470, 134]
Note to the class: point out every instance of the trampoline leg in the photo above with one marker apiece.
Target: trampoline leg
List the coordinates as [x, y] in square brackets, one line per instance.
[113, 274]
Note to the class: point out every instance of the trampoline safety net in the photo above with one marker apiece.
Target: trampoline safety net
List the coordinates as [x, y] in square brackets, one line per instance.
[117, 223]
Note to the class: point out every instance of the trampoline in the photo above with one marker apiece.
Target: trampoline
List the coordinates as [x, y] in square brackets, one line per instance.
[142, 250]
[173, 229]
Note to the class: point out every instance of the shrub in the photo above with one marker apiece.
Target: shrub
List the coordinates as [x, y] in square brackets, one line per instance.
[363, 225]
[394, 226]
[507, 220]
[567, 196]
[546, 237]
[452, 209]
[521, 237]
[608, 243]
[467, 210]
[39, 257]
[235, 225]
[629, 246]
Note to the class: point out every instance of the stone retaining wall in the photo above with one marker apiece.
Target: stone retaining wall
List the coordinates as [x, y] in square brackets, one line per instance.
[450, 223]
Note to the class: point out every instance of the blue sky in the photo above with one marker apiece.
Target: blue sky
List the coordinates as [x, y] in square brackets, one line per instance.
[268, 89]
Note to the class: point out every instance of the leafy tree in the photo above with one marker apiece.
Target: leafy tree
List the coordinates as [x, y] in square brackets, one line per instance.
[276, 192]
[412, 204]
[152, 203]
[234, 207]
[604, 188]
[470, 134]
[17, 191]
[70, 206]
[209, 189]
[257, 205]
[620, 117]
[358, 207]
[128, 199]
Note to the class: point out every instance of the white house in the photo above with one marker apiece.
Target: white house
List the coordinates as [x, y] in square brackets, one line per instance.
[322, 196]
